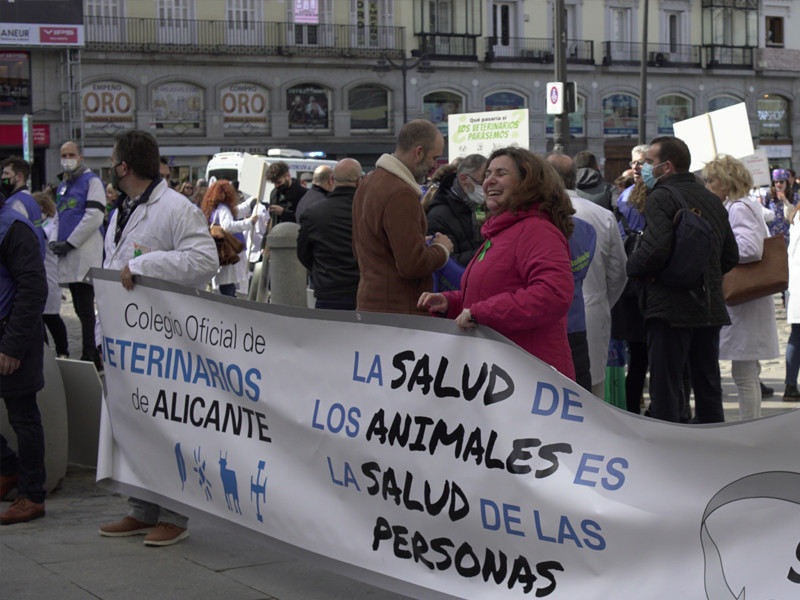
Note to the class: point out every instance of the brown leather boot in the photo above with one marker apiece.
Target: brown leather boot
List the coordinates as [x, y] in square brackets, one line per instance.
[22, 510]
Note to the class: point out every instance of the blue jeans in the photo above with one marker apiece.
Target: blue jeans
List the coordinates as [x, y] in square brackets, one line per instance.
[793, 355]
[28, 461]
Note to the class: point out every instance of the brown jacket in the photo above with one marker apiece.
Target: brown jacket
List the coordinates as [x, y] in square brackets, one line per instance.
[389, 229]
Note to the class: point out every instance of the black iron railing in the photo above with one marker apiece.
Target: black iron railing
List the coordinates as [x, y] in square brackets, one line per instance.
[539, 50]
[188, 36]
[729, 57]
[448, 46]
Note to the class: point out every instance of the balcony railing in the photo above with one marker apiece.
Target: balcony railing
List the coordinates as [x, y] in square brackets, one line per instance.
[658, 55]
[190, 36]
[680, 55]
[539, 50]
[729, 57]
[448, 46]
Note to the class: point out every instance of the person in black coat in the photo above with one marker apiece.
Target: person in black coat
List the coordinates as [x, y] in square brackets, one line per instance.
[682, 325]
[286, 195]
[452, 210]
[23, 292]
[325, 241]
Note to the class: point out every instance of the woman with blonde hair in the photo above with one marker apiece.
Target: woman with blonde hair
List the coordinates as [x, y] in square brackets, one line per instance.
[752, 334]
[520, 282]
[219, 207]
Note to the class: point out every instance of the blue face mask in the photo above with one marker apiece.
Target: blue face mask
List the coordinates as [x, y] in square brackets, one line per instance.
[647, 175]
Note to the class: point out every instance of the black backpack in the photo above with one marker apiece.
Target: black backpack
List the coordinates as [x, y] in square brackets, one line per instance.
[692, 243]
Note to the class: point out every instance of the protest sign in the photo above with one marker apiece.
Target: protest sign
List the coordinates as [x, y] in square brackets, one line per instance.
[484, 132]
[758, 165]
[723, 131]
[434, 462]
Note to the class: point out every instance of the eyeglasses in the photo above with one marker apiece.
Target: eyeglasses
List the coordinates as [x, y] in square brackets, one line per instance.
[636, 163]
[475, 181]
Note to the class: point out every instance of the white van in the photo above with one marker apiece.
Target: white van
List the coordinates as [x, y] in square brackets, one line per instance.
[247, 169]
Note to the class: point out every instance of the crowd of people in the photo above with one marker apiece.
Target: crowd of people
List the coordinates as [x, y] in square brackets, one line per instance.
[568, 267]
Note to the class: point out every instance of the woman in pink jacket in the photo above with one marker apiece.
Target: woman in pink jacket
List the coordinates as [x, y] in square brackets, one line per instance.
[520, 282]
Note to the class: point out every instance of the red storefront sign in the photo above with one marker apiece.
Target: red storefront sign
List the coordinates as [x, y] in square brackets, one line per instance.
[11, 135]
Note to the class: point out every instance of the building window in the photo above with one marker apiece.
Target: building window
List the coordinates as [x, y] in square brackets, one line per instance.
[243, 23]
[775, 32]
[576, 119]
[15, 83]
[437, 106]
[104, 8]
[104, 21]
[671, 109]
[178, 108]
[108, 106]
[439, 18]
[308, 105]
[369, 17]
[369, 108]
[176, 23]
[621, 24]
[729, 24]
[175, 9]
[773, 118]
[718, 102]
[620, 115]
[310, 23]
[245, 107]
[503, 101]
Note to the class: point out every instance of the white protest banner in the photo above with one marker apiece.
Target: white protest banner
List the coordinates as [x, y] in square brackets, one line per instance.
[484, 132]
[723, 131]
[436, 463]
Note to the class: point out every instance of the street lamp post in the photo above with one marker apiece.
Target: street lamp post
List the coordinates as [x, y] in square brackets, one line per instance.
[643, 79]
[560, 122]
[419, 62]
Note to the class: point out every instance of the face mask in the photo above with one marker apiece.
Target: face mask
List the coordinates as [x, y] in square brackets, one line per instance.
[6, 186]
[476, 196]
[647, 175]
[115, 178]
[69, 164]
[282, 187]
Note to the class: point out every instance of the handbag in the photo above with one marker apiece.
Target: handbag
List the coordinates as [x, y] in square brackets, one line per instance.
[228, 245]
[765, 277]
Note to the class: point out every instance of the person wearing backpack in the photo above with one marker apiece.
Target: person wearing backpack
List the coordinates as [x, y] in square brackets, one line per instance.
[683, 317]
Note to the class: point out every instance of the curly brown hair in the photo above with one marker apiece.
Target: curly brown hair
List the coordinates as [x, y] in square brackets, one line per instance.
[539, 184]
[220, 192]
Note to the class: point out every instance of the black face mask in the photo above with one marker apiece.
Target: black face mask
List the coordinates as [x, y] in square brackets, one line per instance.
[6, 186]
[283, 187]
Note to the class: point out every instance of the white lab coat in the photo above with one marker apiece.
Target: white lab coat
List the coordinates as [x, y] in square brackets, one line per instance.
[166, 237]
[256, 232]
[53, 304]
[86, 238]
[793, 294]
[604, 281]
[753, 332]
[236, 272]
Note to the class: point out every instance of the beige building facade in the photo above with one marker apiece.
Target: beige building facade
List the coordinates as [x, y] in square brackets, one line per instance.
[341, 76]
